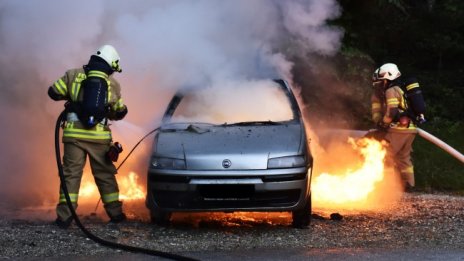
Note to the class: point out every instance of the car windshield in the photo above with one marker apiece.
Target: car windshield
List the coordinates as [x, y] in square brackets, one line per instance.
[258, 102]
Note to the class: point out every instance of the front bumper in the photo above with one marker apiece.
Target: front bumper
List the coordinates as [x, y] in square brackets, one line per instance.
[256, 190]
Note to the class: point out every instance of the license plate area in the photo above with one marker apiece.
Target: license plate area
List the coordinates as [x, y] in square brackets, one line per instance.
[227, 192]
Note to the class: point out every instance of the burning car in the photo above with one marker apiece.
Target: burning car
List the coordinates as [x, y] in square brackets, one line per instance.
[233, 148]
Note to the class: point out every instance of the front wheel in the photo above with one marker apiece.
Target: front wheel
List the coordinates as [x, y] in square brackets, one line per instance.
[301, 218]
[160, 218]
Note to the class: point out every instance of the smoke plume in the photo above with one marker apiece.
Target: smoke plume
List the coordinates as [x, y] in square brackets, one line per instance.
[164, 45]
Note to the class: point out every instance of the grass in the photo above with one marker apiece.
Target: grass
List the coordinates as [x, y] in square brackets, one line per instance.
[435, 169]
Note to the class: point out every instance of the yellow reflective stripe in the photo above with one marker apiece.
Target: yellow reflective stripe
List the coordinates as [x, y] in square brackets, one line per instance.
[393, 101]
[411, 127]
[109, 90]
[76, 86]
[412, 86]
[72, 196]
[403, 104]
[408, 170]
[376, 105]
[86, 134]
[111, 197]
[99, 129]
[376, 115]
[75, 91]
[61, 86]
[98, 74]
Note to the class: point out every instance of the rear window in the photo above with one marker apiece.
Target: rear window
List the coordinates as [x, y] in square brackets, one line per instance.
[234, 103]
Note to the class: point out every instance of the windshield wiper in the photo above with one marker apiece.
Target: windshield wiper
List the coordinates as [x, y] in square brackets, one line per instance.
[194, 127]
[252, 123]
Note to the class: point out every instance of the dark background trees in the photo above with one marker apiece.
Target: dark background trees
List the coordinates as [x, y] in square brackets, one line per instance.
[425, 38]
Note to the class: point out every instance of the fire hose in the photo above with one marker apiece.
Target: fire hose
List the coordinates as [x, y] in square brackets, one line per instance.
[439, 143]
[60, 120]
[429, 137]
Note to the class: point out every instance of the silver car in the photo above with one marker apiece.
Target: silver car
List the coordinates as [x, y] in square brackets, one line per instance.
[244, 149]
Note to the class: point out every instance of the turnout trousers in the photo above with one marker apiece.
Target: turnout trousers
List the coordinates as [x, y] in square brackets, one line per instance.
[74, 159]
[399, 151]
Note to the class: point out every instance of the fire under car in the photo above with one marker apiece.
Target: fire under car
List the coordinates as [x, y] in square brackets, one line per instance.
[231, 149]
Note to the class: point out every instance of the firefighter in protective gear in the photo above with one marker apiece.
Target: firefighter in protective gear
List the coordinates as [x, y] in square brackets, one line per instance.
[389, 108]
[80, 142]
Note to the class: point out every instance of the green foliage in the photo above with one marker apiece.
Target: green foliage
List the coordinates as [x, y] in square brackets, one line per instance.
[436, 170]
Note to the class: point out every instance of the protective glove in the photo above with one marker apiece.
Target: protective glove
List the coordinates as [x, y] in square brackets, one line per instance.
[113, 152]
[119, 115]
[404, 121]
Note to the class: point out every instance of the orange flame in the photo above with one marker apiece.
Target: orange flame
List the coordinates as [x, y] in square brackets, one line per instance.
[129, 188]
[351, 189]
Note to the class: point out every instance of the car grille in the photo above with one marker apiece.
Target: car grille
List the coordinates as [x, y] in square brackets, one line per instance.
[226, 196]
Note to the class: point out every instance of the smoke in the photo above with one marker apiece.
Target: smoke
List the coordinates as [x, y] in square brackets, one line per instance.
[164, 45]
[234, 102]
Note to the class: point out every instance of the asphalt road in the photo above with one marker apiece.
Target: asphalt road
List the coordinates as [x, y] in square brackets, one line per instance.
[320, 254]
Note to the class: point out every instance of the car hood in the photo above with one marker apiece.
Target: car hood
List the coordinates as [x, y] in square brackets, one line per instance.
[246, 147]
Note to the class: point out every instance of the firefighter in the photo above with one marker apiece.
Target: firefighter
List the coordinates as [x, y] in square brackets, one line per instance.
[80, 141]
[390, 113]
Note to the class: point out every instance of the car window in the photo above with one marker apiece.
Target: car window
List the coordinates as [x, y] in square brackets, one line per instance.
[235, 103]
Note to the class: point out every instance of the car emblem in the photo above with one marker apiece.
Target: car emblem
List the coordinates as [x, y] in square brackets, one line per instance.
[226, 163]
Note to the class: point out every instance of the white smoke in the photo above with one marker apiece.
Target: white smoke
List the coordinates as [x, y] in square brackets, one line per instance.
[163, 45]
[308, 21]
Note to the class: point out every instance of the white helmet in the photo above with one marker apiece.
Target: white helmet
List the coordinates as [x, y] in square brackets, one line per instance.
[388, 71]
[110, 55]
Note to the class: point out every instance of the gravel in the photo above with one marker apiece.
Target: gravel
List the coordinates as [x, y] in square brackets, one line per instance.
[425, 221]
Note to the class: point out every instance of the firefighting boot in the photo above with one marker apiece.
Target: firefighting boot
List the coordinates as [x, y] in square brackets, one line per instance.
[114, 211]
[63, 224]
[119, 218]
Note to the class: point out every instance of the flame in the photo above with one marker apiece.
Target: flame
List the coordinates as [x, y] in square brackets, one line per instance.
[88, 190]
[351, 189]
[129, 188]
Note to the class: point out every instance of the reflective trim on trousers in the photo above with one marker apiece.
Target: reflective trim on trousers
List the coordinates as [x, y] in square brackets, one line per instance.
[408, 170]
[72, 196]
[376, 105]
[111, 197]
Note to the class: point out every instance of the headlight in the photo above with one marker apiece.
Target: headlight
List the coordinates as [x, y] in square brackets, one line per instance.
[286, 162]
[167, 163]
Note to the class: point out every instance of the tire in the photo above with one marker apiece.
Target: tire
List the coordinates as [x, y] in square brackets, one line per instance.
[301, 218]
[160, 218]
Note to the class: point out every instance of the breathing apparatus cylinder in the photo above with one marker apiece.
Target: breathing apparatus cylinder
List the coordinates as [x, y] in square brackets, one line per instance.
[415, 100]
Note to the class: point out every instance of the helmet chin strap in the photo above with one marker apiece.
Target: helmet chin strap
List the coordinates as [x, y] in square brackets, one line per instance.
[384, 83]
[116, 67]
